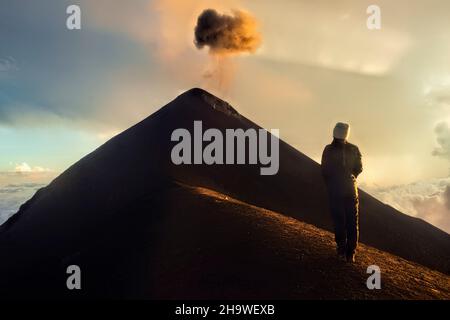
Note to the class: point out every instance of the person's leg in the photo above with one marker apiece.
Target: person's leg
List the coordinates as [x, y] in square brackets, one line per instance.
[352, 226]
[337, 207]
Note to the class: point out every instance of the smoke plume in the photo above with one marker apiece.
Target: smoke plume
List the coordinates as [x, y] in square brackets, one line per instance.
[227, 34]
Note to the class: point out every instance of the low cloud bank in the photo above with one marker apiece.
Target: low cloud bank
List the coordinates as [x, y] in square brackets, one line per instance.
[428, 200]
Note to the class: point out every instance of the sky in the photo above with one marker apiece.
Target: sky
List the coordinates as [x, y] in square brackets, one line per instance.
[65, 92]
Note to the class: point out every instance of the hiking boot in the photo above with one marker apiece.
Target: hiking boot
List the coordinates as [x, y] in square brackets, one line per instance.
[351, 258]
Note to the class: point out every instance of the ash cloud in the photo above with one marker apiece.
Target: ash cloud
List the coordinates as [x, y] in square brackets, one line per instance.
[224, 34]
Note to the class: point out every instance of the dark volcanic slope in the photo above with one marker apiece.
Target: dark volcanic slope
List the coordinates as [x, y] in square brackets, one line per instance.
[127, 169]
[194, 243]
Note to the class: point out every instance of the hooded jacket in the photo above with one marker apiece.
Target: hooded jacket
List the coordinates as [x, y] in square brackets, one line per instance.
[341, 165]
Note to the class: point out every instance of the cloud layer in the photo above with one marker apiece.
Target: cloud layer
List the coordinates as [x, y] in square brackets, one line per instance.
[442, 131]
[12, 196]
[428, 200]
[17, 186]
[7, 65]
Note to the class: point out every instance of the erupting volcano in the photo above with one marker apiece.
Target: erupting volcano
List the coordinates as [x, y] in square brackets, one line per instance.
[140, 226]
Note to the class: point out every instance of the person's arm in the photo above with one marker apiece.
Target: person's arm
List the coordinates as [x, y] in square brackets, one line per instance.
[325, 164]
[358, 167]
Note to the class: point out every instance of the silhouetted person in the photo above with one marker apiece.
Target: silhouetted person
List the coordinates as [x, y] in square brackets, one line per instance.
[341, 165]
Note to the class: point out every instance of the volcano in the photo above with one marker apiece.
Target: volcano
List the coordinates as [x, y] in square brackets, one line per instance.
[141, 227]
